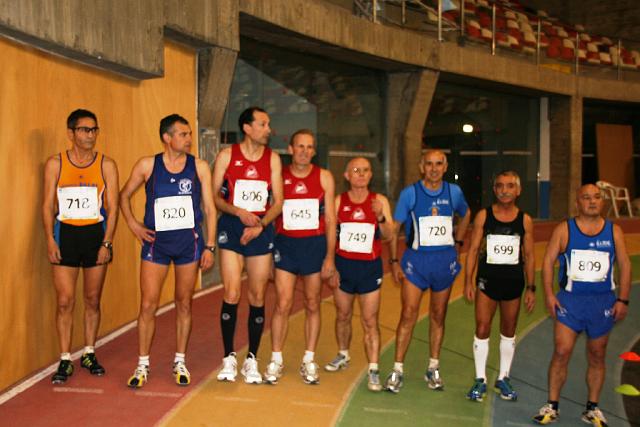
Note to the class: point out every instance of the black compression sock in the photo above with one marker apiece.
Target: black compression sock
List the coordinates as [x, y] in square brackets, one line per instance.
[256, 325]
[228, 316]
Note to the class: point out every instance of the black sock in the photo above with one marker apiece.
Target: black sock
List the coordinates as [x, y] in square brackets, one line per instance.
[554, 404]
[591, 405]
[228, 316]
[256, 325]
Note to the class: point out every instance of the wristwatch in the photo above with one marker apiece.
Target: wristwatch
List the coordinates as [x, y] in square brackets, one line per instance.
[531, 288]
[107, 244]
[211, 249]
[393, 260]
[624, 301]
[383, 220]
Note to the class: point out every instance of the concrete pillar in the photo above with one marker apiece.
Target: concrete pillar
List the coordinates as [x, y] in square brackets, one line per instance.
[216, 67]
[408, 100]
[565, 116]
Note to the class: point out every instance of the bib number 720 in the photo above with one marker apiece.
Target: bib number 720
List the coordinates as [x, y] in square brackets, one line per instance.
[437, 230]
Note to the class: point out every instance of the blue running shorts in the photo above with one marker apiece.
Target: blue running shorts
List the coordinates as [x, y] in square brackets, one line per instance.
[592, 314]
[435, 270]
[230, 229]
[300, 255]
[359, 277]
[179, 246]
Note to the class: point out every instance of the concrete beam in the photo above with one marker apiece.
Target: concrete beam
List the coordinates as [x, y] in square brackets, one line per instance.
[117, 35]
[425, 86]
[203, 23]
[215, 73]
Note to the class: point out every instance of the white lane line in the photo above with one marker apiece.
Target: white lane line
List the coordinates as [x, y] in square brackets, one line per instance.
[455, 417]
[385, 410]
[512, 423]
[157, 394]
[313, 404]
[31, 381]
[236, 399]
[78, 390]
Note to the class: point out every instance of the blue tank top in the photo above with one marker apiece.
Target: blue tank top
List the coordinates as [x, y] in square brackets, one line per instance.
[163, 183]
[439, 204]
[586, 265]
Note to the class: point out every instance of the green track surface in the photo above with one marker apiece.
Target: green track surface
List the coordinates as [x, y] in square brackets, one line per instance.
[418, 405]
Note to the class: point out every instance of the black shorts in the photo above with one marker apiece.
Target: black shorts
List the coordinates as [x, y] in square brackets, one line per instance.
[501, 289]
[79, 245]
[358, 276]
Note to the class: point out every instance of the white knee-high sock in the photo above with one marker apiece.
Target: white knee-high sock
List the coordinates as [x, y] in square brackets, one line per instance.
[507, 350]
[480, 354]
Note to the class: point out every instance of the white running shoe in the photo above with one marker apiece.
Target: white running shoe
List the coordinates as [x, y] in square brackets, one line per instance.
[339, 362]
[229, 369]
[250, 370]
[273, 372]
[309, 372]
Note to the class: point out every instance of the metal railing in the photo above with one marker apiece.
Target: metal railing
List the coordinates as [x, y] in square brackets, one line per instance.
[576, 53]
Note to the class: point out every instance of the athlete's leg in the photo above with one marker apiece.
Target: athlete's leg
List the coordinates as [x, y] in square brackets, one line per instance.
[509, 311]
[369, 307]
[485, 310]
[231, 265]
[258, 274]
[152, 277]
[285, 285]
[312, 300]
[564, 341]
[411, 297]
[437, 312]
[64, 281]
[344, 313]
[186, 276]
[596, 353]
[93, 283]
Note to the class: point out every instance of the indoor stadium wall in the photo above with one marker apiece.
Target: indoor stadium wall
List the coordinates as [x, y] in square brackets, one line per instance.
[38, 92]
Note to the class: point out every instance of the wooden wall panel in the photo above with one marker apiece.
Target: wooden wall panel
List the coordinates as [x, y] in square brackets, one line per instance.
[37, 93]
[615, 155]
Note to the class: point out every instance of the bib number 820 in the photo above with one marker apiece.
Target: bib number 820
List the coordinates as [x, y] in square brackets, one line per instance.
[173, 213]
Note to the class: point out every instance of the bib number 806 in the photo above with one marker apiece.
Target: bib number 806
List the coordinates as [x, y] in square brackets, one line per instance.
[254, 196]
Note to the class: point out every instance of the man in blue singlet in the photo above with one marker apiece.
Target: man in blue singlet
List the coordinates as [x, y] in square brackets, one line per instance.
[178, 190]
[427, 209]
[586, 247]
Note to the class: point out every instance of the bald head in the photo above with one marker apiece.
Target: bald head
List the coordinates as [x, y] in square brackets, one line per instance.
[589, 201]
[357, 162]
[433, 154]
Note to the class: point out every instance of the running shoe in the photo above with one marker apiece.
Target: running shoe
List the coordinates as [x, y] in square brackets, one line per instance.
[139, 377]
[433, 379]
[65, 370]
[250, 370]
[273, 372]
[183, 377]
[309, 372]
[547, 415]
[339, 362]
[595, 417]
[394, 381]
[89, 362]
[229, 369]
[478, 390]
[504, 388]
[374, 380]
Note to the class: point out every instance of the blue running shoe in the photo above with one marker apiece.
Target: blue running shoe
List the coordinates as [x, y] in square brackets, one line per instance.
[504, 388]
[478, 390]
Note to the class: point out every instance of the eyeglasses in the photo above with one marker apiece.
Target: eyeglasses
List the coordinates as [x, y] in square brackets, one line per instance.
[85, 129]
[361, 170]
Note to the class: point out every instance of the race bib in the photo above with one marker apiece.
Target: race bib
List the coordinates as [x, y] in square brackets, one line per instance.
[78, 203]
[503, 249]
[251, 195]
[301, 214]
[173, 213]
[357, 237]
[436, 230]
[589, 266]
